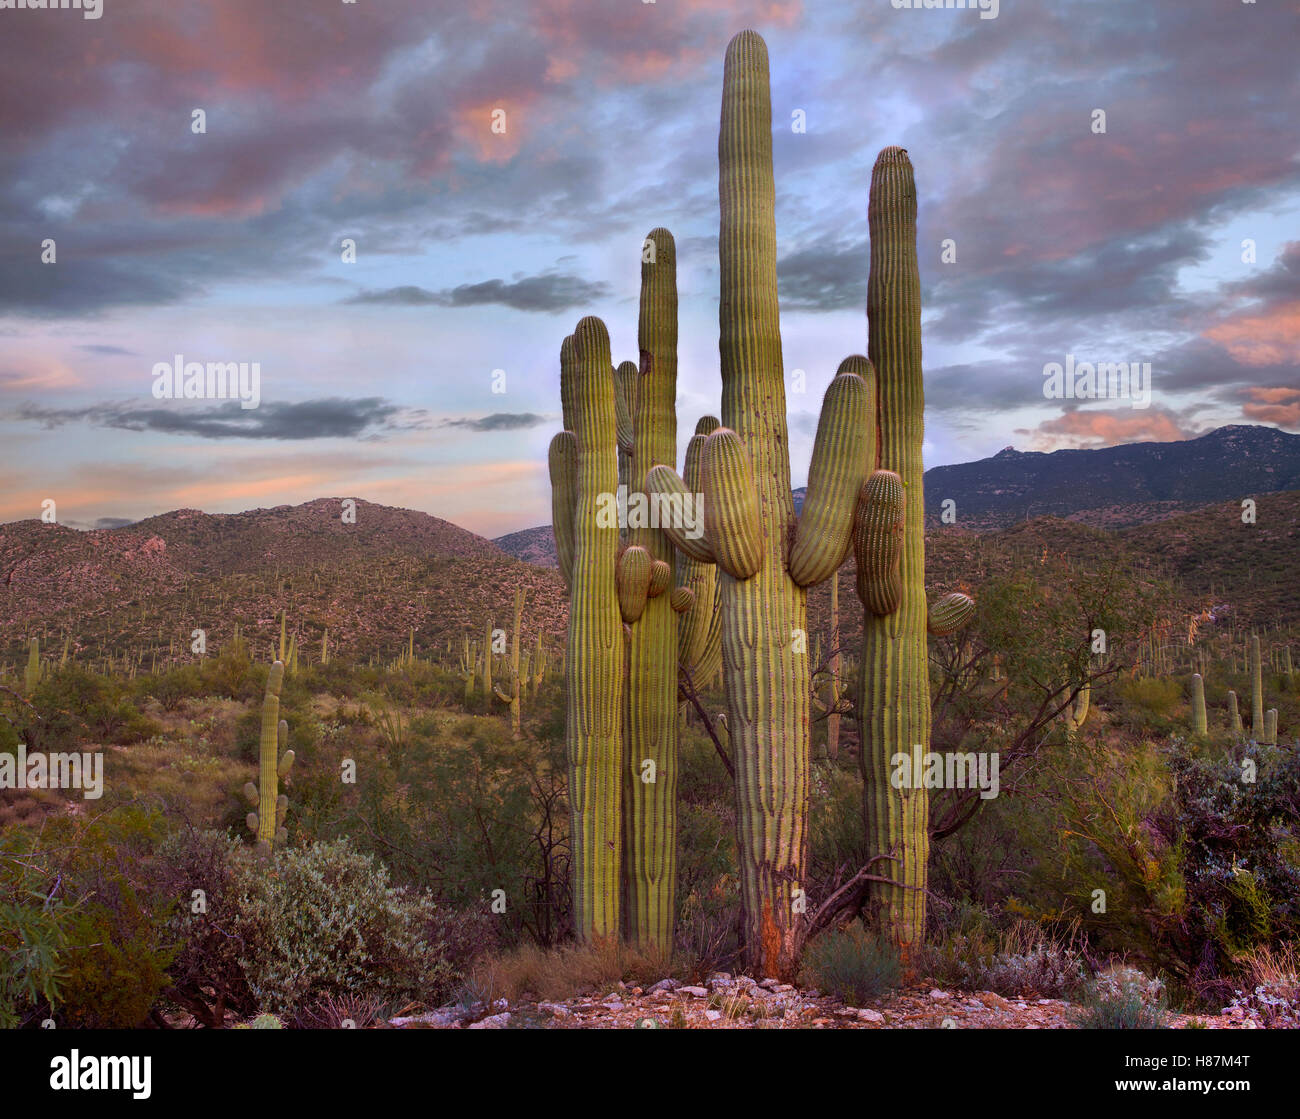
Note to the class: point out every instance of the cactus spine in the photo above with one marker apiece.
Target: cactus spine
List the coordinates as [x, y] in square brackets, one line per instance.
[1199, 724]
[650, 702]
[267, 822]
[595, 648]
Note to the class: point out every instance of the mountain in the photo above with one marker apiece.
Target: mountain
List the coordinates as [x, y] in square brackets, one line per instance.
[1116, 487]
[1109, 487]
[142, 587]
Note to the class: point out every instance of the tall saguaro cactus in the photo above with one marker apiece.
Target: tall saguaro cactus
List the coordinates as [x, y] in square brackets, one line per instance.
[765, 559]
[267, 822]
[894, 705]
[650, 707]
[584, 477]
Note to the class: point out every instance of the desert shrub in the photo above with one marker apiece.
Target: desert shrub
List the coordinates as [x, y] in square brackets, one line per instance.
[206, 977]
[572, 969]
[173, 687]
[93, 950]
[71, 705]
[1020, 959]
[323, 920]
[852, 964]
[1239, 845]
[1120, 1005]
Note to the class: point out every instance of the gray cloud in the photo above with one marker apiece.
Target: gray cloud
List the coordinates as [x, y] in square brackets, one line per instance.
[828, 276]
[328, 418]
[548, 292]
[499, 421]
[107, 351]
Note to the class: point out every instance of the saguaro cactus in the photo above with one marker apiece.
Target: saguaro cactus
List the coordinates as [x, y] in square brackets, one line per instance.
[32, 674]
[1256, 691]
[587, 471]
[650, 706]
[1234, 715]
[894, 703]
[512, 694]
[765, 558]
[267, 822]
[1199, 723]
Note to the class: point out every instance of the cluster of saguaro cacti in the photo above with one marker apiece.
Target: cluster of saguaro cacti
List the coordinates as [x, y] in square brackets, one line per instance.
[745, 577]
[270, 805]
[889, 542]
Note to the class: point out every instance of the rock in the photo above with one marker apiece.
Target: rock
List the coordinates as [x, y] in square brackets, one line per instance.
[782, 988]
[664, 985]
[554, 1009]
[447, 1016]
[768, 984]
[1232, 1012]
[615, 1006]
[494, 1022]
[870, 1016]
[713, 1015]
[694, 992]
[723, 977]
[939, 995]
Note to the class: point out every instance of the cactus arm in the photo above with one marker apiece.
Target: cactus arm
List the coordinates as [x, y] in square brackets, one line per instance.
[950, 613]
[878, 526]
[844, 445]
[663, 482]
[732, 517]
[562, 459]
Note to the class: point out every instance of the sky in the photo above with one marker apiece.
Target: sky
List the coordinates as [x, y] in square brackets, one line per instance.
[496, 166]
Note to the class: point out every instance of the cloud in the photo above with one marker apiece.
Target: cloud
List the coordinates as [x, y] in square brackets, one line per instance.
[1088, 428]
[1278, 404]
[549, 291]
[824, 277]
[330, 418]
[107, 351]
[499, 421]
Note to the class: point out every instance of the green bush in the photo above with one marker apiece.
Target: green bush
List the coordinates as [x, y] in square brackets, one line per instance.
[852, 965]
[323, 920]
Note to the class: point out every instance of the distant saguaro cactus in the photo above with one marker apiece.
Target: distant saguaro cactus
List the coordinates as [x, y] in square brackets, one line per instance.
[1199, 723]
[267, 822]
[1256, 691]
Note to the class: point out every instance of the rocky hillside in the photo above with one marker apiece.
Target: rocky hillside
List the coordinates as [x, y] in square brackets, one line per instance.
[141, 588]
